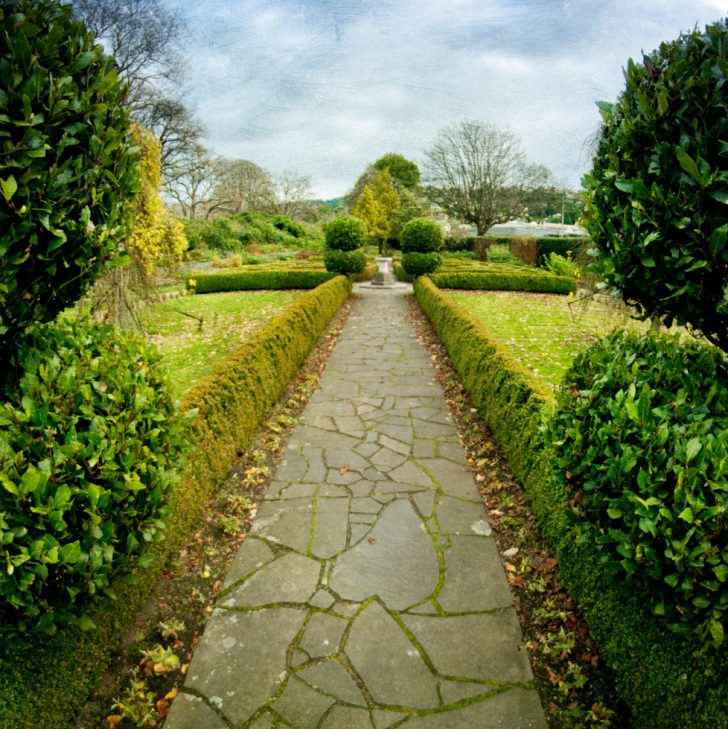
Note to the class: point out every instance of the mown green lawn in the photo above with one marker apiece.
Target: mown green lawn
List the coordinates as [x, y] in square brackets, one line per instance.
[191, 348]
[544, 331]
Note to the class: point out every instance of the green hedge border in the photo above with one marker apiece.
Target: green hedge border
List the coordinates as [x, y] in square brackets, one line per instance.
[45, 680]
[664, 679]
[208, 283]
[532, 281]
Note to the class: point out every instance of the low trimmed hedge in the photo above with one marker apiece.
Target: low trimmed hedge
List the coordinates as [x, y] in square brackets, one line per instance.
[493, 280]
[665, 679]
[44, 682]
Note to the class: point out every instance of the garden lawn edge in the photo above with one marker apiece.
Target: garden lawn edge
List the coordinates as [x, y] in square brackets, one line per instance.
[534, 280]
[44, 680]
[663, 678]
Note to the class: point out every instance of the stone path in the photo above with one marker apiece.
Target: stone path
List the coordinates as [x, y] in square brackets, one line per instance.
[369, 592]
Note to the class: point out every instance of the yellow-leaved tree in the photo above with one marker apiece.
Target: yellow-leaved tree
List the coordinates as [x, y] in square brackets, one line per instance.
[156, 241]
[377, 206]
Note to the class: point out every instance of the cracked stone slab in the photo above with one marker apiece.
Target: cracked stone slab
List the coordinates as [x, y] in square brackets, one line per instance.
[301, 705]
[516, 708]
[191, 712]
[322, 635]
[287, 523]
[330, 529]
[480, 647]
[253, 554]
[347, 717]
[474, 577]
[452, 478]
[459, 517]
[222, 667]
[397, 561]
[389, 664]
[331, 678]
[290, 578]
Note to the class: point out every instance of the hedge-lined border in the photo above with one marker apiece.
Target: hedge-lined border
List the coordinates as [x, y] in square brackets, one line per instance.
[663, 678]
[532, 281]
[45, 680]
[207, 283]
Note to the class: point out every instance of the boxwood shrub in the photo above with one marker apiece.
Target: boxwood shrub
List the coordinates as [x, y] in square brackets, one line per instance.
[345, 262]
[418, 264]
[207, 283]
[641, 435]
[666, 679]
[345, 233]
[89, 443]
[494, 281]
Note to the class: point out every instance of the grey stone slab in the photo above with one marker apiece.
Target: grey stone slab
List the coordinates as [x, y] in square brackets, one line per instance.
[331, 678]
[390, 666]
[324, 422]
[350, 425]
[331, 406]
[322, 599]
[516, 708]
[362, 488]
[322, 635]
[252, 554]
[298, 491]
[316, 471]
[459, 517]
[481, 647]
[425, 413]
[290, 578]
[384, 719]
[264, 721]
[347, 717]
[292, 467]
[453, 452]
[285, 522]
[409, 473]
[306, 435]
[424, 448]
[336, 476]
[191, 712]
[395, 445]
[275, 488]
[431, 429]
[367, 449]
[386, 459]
[333, 491]
[358, 532]
[474, 577]
[330, 527]
[452, 478]
[397, 561]
[454, 691]
[222, 667]
[301, 705]
[336, 458]
[365, 506]
[363, 518]
[425, 502]
[402, 433]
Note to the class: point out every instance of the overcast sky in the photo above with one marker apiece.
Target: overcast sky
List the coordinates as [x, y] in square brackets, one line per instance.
[325, 87]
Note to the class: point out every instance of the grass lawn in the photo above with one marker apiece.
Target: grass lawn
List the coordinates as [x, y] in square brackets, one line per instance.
[191, 350]
[542, 330]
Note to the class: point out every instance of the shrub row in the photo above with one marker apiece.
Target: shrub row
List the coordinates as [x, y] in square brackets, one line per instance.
[479, 244]
[533, 251]
[43, 682]
[495, 280]
[664, 678]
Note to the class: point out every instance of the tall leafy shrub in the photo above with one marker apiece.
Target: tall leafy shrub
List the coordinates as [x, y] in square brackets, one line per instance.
[68, 168]
[421, 242]
[344, 237]
[657, 198]
[641, 445]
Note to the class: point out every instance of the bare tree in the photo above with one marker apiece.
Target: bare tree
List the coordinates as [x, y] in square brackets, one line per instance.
[479, 173]
[242, 185]
[294, 193]
[142, 35]
[191, 181]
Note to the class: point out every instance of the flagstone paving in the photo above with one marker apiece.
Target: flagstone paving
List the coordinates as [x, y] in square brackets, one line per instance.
[369, 592]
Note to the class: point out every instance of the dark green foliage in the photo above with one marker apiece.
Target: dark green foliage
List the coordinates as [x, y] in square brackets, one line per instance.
[562, 246]
[664, 678]
[421, 235]
[43, 682]
[345, 233]
[642, 432]
[405, 174]
[657, 196]
[67, 167]
[214, 234]
[345, 262]
[88, 449]
[207, 283]
[283, 222]
[418, 264]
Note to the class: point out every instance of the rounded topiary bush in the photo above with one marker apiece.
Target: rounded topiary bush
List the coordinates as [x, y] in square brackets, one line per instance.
[345, 233]
[421, 235]
[656, 198]
[641, 445]
[345, 262]
[88, 448]
[418, 264]
[68, 166]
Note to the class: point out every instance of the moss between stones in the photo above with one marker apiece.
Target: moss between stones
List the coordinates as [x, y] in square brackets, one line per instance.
[664, 679]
